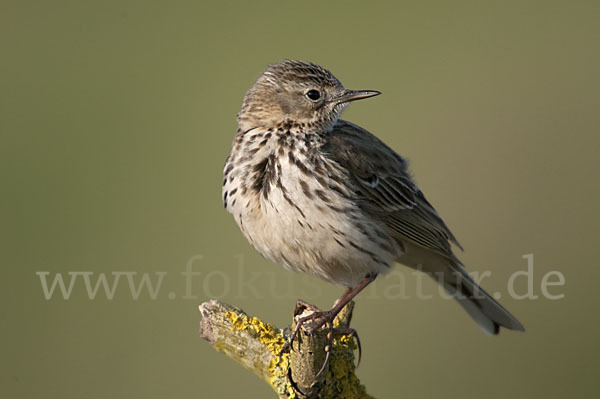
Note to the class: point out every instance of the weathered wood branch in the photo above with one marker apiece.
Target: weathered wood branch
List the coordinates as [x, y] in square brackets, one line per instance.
[256, 345]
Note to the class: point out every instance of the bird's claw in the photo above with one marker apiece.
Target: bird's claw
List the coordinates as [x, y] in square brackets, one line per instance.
[319, 319]
[351, 332]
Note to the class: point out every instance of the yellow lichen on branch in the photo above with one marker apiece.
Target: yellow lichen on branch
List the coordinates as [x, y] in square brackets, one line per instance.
[274, 340]
[256, 345]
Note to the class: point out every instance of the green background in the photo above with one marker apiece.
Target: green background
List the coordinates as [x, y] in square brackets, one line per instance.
[115, 121]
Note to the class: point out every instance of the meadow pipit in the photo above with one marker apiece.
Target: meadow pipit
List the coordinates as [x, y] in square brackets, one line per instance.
[323, 196]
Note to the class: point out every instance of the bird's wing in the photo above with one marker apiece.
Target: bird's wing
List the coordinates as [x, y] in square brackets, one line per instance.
[384, 188]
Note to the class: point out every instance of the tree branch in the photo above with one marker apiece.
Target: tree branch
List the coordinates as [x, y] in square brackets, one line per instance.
[256, 345]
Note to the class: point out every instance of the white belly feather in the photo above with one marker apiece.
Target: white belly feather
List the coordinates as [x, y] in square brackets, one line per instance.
[303, 232]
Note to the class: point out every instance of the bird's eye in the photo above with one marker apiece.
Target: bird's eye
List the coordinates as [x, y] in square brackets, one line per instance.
[313, 95]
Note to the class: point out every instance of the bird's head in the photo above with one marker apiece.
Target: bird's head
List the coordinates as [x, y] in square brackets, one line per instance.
[299, 92]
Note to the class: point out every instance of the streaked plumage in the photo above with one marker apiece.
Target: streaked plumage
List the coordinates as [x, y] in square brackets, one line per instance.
[323, 196]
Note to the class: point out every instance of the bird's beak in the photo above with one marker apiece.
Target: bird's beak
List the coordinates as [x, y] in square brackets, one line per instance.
[352, 95]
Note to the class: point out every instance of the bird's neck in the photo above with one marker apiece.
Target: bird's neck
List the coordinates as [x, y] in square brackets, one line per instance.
[278, 140]
[297, 128]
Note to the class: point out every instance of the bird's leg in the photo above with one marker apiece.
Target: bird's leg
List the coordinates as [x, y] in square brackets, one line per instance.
[329, 315]
[320, 318]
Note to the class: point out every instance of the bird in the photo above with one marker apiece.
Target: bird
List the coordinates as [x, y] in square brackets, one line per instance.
[323, 196]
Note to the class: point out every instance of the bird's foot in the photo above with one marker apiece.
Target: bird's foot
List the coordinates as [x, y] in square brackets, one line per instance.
[314, 321]
[302, 307]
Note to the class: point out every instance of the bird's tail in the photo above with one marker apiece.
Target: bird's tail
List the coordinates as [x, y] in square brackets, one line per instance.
[485, 310]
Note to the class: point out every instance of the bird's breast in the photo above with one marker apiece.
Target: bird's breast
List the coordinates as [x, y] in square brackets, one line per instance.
[296, 208]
